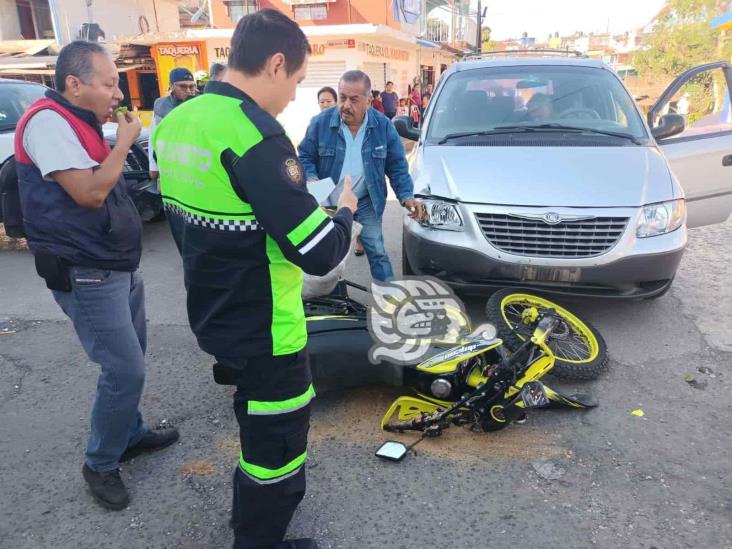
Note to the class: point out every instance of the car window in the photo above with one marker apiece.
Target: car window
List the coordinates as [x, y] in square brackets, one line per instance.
[486, 98]
[15, 100]
[704, 103]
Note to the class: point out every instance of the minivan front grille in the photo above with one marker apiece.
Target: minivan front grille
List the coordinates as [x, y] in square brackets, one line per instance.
[135, 161]
[567, 239]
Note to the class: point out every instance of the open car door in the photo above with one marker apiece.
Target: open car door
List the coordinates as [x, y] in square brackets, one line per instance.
[701, 154]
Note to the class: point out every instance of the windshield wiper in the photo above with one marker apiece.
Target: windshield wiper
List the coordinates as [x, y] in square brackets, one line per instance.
[562, 127]
[494, 131]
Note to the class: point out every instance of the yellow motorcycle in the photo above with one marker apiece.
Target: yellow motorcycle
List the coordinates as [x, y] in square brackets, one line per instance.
[486, 385]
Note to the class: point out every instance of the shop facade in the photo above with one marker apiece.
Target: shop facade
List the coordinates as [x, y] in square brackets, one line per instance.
[385, 54]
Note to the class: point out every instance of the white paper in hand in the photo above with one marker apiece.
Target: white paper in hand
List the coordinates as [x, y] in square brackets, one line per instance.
[358, 186]
[321, 189]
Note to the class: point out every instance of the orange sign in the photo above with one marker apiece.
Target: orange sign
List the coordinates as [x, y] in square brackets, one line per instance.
[168, 56]
[342, 43]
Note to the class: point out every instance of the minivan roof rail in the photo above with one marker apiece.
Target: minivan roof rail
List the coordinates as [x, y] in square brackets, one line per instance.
[531, 52]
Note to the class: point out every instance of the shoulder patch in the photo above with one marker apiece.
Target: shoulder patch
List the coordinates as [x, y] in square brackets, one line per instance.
[292, 169]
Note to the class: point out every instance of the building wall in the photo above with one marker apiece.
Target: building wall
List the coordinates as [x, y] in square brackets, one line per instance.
[117, 17]
[340, 12]
[381, 56]
[9, 24]
[383, 47]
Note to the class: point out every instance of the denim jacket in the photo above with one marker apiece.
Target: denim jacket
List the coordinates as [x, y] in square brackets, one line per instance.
[323, 150]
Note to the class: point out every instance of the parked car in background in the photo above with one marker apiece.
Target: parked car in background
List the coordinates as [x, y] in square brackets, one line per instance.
[543, 172]
[15, 98]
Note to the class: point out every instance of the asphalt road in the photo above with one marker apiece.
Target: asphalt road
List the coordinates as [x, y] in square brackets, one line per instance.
[603, 478]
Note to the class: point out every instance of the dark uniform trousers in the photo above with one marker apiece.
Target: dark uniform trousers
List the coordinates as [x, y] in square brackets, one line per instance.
[272, 407]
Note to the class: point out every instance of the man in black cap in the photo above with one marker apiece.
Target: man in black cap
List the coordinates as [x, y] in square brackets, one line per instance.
[182, 88]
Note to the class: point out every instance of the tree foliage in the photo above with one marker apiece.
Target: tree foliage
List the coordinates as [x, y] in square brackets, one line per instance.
[682, 38]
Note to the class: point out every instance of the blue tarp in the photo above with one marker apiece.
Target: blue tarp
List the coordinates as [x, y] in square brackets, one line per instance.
[724, 20]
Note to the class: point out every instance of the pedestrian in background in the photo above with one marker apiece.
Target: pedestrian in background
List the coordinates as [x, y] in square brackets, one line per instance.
[376, 101]
[86, 236]
[402, 109]
[182, 88]
[357, 141]
[327, 98]
[423, 107]
[415, 96]
[216, 74]
[389, 99]
[414, 113]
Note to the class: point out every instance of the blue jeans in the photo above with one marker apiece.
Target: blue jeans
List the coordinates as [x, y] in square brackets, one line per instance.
[372, 238]
[108, 312]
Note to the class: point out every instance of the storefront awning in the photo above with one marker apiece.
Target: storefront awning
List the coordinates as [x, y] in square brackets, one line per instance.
[48, 72]
[26, 47]
[427, 44]
[127, 68]
[27, 62]
[355, 29]
[17, 69]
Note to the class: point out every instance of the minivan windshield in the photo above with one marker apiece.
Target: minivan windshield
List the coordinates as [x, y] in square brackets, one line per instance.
[15, 100]
[585, 100]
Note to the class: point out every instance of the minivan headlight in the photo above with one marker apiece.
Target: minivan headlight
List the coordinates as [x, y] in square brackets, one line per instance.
[661, 218]
[441, 215]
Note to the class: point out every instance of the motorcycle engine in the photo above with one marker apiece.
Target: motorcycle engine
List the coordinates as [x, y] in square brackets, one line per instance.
[441, 388]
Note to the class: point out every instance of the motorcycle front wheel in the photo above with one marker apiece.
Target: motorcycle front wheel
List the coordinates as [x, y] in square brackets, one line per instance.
[580, 350]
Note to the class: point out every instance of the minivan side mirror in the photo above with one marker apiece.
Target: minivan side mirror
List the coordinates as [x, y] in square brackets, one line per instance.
[405, 128]
[668, 126]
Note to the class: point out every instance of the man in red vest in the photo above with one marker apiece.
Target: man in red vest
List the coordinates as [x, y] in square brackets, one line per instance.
[86, 236]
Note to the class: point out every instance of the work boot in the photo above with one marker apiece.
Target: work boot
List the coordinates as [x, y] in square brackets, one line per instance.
[151, 441]
[107, 488]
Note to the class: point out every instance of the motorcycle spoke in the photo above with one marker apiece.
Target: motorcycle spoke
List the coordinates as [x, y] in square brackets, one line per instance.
[570, 341]
[573, 348]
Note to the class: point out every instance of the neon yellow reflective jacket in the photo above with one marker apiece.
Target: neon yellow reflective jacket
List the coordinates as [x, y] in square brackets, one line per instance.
[245, 225]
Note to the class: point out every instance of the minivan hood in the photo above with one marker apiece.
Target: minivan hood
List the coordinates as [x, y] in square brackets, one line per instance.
[546, 176]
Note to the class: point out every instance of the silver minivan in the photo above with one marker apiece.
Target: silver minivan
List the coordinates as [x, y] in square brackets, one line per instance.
[543, 172]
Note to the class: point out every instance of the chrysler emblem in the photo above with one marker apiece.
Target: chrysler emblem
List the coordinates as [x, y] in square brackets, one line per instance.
[552, 218]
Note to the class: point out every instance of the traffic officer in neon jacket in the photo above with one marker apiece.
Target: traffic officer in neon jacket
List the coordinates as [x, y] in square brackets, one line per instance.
[247, 228]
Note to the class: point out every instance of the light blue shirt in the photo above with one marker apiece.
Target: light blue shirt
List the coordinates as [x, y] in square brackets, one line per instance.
[353, 161]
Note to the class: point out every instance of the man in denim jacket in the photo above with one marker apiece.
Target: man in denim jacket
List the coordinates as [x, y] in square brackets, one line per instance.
[353, 139]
